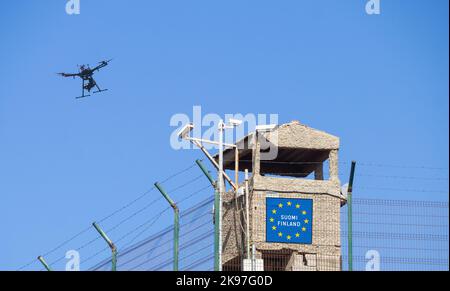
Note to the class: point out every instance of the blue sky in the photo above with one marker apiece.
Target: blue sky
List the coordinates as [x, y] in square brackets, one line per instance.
[378, 82]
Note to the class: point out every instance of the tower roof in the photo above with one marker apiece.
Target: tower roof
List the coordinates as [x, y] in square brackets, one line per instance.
[294, 150]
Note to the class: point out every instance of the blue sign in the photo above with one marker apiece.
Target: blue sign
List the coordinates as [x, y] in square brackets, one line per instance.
[289, 220]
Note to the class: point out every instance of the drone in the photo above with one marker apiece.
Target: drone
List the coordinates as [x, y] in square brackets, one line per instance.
[86, 75]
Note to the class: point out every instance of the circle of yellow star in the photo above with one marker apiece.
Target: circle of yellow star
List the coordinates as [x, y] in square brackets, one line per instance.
[303, 229]
[288, 237]
[304, 212]
[297, 235]
[280, 234]
[271, 219]
[297, 206]
[280, 205]
[274, 211]
[306, 221]
[274, 227]
[289, 203]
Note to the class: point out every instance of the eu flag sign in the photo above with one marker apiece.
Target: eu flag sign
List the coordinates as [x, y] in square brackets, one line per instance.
[289, 220]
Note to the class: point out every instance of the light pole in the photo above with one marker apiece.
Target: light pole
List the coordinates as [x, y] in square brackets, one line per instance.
[185, 134]
[221, 188]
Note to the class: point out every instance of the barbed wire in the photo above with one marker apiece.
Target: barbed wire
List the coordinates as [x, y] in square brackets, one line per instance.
[166, 251]
[183, 247]
[154, 219]
[145, 229]
[400, 224]
[77, 249]
[132, 216]
[403, 177]
[403, 260]
[178, 173]
[185, 184]
[375, 235]
[378, 165]
[399, 248]
[400, 214]
[399, 203]
[129, 204]
[151, 220]
[161, 266]
[163, 244]
[199, 262]
[396, 235]
[181, 201]
[403, 190]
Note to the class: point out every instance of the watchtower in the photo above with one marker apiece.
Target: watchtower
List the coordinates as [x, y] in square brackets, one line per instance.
[293, 201]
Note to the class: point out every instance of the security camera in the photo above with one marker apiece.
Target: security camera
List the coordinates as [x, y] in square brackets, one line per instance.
[235, 122]
[184, 132]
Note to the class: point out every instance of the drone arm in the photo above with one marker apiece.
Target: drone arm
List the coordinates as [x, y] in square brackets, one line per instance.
[102, 65]
[99, 67]
[68, 75]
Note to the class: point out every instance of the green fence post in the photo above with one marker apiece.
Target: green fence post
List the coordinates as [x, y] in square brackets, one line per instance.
[110, 244]
[216, 214]
[176, 227]
[206, 172]
[350, 217]
[44, 263]
[217, 227]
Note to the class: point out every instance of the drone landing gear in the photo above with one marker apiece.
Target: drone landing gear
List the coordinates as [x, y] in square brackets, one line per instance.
[83, 87]
[99, 91]
[84, 96]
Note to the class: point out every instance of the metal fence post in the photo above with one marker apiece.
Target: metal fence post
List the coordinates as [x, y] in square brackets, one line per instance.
[216, 215]
[110, 244]
[247, 215]
[44, 263]
[350, 217]
[206, 172]
[217, 227]
[176, 227]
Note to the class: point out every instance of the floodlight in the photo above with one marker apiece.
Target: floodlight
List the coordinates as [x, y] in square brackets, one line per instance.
[184, 132]
[266, 127]
[235, 122]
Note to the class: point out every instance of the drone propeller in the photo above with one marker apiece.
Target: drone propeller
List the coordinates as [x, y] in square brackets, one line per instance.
[106, 62]
[66, 75]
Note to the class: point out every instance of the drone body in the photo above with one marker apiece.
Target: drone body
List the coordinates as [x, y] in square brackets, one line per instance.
[86, 75]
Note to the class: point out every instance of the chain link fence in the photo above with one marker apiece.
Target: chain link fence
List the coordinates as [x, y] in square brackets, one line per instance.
[156, 252]
[397, 235]
[388, 235]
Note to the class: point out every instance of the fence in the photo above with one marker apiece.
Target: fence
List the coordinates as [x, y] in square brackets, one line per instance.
[155, 253]
[407, 233]
[387, 235]
[394, 235]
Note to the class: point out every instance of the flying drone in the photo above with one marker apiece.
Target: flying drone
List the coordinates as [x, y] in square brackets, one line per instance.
[86, 75]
